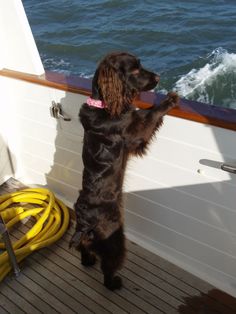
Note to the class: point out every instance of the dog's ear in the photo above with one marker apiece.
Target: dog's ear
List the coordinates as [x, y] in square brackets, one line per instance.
[95, 87]
[111, 87]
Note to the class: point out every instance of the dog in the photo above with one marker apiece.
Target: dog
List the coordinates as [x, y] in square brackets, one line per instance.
[113, 131]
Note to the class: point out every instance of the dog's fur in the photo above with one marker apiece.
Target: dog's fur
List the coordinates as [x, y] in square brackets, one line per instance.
[111, 135]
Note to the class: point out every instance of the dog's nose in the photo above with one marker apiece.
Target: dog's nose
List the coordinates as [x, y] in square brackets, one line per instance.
[157, 78]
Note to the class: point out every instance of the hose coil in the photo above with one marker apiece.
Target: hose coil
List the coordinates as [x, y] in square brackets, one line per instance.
[51, 222]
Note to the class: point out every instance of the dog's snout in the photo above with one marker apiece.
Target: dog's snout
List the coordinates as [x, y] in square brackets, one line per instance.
[157, 78]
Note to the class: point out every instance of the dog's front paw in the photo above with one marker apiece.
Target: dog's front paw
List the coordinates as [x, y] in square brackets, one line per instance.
[173, 99]
[88, 259]
[113, 283]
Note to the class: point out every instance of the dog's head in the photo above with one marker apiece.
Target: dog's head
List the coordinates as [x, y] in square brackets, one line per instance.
[118, 79]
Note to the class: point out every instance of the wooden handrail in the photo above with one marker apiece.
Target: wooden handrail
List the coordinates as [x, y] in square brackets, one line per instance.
[190, 110]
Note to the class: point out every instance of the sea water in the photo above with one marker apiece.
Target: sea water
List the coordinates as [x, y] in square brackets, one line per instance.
[191, 44]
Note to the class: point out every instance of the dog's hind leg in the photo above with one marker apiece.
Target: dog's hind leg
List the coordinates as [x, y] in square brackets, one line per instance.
[112, 257]
[88, 258]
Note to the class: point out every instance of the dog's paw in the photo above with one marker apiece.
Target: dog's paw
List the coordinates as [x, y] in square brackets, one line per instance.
[113, 283]
[173, 99]
[88, 260]
[76, 240]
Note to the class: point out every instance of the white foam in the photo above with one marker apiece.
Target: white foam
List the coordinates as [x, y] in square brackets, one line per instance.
[61, 66]
[217, 75]
[57, 64]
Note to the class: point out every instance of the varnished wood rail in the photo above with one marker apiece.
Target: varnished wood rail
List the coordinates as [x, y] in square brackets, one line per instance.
[190, 110]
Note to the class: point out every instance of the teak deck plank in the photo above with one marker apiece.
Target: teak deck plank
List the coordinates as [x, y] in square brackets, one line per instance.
[53, 280]
[18, 300]
[28, 296]
[7, 306]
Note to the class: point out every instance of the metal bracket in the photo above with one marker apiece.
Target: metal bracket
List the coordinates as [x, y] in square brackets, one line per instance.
[56, 111]
[229, 167]
[6, 239]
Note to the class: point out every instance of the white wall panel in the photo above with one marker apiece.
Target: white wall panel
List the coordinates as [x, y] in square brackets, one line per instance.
[200, 135]
[52, 154]
[192, 158]
[66, 192]
[50, 134]
[179, 201]
[184, 244]
[170, 174]
[161, 214]
[202, 261]
[5, 163]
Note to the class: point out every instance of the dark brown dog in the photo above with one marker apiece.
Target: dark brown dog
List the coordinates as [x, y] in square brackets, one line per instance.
[113, 130]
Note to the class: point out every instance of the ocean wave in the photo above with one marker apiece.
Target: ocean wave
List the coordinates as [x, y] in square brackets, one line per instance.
[61, 66]
[214, 82]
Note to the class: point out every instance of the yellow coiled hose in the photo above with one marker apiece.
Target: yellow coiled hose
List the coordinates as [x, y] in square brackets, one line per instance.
[52, 220]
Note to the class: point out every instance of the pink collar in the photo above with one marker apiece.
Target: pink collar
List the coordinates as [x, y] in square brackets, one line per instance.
[95, 103]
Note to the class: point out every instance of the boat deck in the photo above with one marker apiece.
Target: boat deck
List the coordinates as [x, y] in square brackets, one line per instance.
[52, 280]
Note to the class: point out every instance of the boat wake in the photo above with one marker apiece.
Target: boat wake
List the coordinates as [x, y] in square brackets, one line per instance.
[214, 82]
